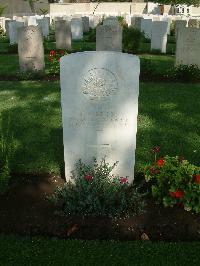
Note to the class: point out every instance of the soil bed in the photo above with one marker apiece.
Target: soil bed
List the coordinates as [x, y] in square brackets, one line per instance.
[25, 210]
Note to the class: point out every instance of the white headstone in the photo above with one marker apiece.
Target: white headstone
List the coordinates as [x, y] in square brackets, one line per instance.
[13, 31]
[86, 24]
[111, 21]
[159, 35]
[146, 27]
[188, 47]
[32, 21]
[30, 49]
[99, 109]
[77, 28]
[44, 26]
[94, 20]
[63, 34]
[179, 24]
[109, 38]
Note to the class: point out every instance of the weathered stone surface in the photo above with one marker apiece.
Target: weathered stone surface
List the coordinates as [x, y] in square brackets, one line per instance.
[136, 22]
[43, 24]
[188, 47]
[179, 24]
[30, 49]
[194, 23]
[86, 24]
[111, 21]
[94, 20]
[63, 34]
[159, 35]
[99, 109]
[146, 27]
[13, 31]
[77, 28]
[109, 38]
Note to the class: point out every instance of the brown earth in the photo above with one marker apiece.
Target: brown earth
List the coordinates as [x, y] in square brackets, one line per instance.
[25, 210]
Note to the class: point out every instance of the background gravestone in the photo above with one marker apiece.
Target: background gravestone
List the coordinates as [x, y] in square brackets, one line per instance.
[159, 35]
[188, 47]
[86, 24]
[99, 109]
[30, 49]
[111, 21]
[63, 34]
[13, 31]
[77, 28]
[194, 23]
[146, 27]
[109, 38]
[179, 24]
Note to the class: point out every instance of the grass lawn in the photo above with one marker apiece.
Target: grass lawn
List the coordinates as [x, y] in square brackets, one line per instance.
[39, 251]
[160, 64]
[168, 116]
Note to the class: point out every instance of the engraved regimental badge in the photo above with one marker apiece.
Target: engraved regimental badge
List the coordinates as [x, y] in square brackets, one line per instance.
[99, 83]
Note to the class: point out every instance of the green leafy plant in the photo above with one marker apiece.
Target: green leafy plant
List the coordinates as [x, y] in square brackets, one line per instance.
[131, 39]
[187, 73]
[2, 32]
[6, 154]
[96, 192]
[54, 60]
[174, 181]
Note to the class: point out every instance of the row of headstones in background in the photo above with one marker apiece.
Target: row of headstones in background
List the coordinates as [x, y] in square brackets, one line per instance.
[12, 27]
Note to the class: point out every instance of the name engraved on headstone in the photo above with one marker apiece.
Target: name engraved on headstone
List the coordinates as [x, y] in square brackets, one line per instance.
[99, 84]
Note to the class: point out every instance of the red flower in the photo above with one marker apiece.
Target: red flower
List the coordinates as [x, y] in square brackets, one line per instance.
[52, 53]
[123, 180]
[88, 177]
[178, 194]
[160, 162]
[156, 149]
[196, 179]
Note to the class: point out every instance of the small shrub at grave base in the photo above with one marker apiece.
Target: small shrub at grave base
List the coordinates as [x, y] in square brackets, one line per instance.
[187, 73]
[96, 192]
[174, 182]
[13, 48]
[54, 60]
[131, 39]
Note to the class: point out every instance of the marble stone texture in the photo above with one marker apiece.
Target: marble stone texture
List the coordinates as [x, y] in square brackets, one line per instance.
[146, 27]
[159, 36]
[30, 49]
[99, 109]
[86, 24]
[63, 34]
[188, 47]
[77, 28]
[179, 24]
[13, 31]
[109, 38]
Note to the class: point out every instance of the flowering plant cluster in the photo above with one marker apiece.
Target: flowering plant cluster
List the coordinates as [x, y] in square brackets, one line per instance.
[54, 60]
[174, 182]
[98, 193]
